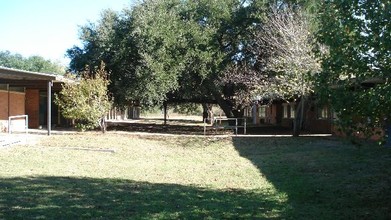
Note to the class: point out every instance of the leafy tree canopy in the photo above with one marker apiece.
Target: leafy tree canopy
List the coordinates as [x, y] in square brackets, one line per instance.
[32, 63]
[174, 49]
[86, 100]
[356, 76]
[162, 49]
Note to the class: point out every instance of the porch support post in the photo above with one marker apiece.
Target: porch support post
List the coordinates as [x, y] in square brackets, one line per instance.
[49, 112]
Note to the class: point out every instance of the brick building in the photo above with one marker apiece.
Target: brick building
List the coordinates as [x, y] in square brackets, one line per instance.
[28, 93]
[318, 119]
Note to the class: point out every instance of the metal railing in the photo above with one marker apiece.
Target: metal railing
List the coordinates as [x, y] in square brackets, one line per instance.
[219, 123]
[18, 116]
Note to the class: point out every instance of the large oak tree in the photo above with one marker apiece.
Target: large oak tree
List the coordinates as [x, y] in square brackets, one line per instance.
[171, 49]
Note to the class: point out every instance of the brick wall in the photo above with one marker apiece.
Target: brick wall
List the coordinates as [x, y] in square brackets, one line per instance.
[16, 107]
[3, 105]
[16, 104]
[287, 122]
[32, 107]
[316, 125]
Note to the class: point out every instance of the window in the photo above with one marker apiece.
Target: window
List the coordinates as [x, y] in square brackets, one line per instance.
[293, 111]
[4, 87]
[323, 112]
[247, 112]
[16, 89]
[285, 110]
[262, 111]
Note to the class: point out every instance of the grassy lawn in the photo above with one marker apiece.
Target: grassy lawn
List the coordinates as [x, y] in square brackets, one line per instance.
[124, 176]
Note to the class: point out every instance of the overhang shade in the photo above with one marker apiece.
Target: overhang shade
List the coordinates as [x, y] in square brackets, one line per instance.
[28, 79]
[33, 80]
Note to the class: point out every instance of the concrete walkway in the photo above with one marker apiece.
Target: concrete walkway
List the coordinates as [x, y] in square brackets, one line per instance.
[7, 140]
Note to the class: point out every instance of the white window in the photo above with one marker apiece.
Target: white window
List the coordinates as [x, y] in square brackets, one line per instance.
[293, 111]
[262, 111]
[323, 112]
[247, 112]
[285, 110]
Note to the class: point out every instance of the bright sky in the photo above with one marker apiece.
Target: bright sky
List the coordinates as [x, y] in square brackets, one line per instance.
[48, 27]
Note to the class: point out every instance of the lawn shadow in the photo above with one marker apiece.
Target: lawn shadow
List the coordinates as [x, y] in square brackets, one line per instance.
[47, 197]
[324, 178]
[191, 127]
[156, 125]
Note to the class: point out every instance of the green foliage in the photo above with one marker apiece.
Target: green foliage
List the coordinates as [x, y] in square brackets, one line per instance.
[356, 72]
[86, 100]
[109, 40]
[179, 44]
[161, 50]
[188, 109]
[32, 63]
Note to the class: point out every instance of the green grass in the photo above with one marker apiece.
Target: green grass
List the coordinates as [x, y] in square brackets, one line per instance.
[121, 177]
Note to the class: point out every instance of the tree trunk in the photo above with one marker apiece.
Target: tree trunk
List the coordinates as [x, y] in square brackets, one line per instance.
[224, 105]
[207, 114]
[165, 112]
[299, 117]
[103, 125]
[229, 110]
[227, 106]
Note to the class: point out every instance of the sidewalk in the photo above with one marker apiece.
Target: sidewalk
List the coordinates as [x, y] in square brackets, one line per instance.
[7, 140]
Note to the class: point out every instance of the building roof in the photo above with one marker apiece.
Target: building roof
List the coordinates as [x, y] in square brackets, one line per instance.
[29, 79]
[15, 74]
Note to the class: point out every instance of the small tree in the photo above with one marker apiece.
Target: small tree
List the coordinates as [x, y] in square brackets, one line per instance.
[86, 100]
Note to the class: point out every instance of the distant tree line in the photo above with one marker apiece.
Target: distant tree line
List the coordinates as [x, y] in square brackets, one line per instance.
[32, 63]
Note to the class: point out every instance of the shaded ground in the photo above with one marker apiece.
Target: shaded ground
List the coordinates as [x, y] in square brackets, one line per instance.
[191, 127]
[47, 197]
[324, 178]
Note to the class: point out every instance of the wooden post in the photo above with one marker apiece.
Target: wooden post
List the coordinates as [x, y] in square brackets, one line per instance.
[236, 126]
[49, 113]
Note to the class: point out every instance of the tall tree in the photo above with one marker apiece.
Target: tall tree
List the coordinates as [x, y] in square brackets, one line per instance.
[166, 49]
[187, 45]
[109, 40]
[356, 76]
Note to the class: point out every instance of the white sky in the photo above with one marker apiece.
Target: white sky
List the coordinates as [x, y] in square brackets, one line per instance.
[48, 27]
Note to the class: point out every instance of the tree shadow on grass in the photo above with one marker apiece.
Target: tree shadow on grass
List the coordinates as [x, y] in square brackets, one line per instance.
[192, 127]
[69, 198]
[158, 128]
[173, 126]
[324, 178]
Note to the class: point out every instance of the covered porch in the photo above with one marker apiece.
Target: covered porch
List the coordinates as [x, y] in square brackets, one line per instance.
[25, 93]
